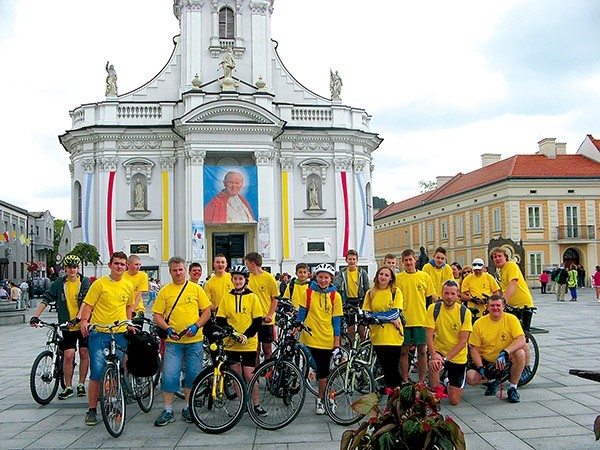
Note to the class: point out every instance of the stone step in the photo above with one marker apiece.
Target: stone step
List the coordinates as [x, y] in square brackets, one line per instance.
[12, 318]
[7, 306]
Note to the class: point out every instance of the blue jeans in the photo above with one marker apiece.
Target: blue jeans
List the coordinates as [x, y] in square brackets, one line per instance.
[97, 342]
[175, 354]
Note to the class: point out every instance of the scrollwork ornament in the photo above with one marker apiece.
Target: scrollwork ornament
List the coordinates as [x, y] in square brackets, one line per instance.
[107, 164]
[260, 7]
[88, 165]
[264, 158]
[342, 164]
[287, 164]
[167, 163]
[195, 157]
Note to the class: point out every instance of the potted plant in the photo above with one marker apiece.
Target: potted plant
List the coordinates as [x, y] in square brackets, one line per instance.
[411, 420]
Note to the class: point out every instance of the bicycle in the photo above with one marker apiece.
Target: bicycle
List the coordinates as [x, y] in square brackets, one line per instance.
[279, 380]
[47, 369]
[117, 388]
[218, 396]
[525, 315]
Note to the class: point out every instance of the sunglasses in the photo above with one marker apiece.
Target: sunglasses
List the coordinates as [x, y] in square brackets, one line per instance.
[451, 283]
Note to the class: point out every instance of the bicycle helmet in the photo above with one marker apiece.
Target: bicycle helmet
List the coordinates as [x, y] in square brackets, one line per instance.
[71, 261]
[240, 269]
[324, 267]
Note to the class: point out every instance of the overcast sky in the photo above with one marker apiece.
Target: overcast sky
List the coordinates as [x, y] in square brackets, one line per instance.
[444, 81]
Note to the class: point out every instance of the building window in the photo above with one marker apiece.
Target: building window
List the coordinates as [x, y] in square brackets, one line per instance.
[572, 220]
[535, 264]
[369, 204]
[316, 246]
[78, 204]
[534, 216]
[444, 231]
[429, 232]
[497, 218]
[477, 223]
[226, 24]
[459, 227]
[395, 239]
[385, 241]
[405, 237]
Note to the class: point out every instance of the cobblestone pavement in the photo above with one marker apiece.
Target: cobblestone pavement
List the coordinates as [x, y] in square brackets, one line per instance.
[557, 410]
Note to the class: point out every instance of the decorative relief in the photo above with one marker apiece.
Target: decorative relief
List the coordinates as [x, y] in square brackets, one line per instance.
[167, 163]
[228, 111]
[107, 164]
[72, 169]
[194, 5]
[342, 164]
[315, 166]
[77, 148]
[141, 166]
[88, 165]
[260, 7]
[313, 146]
[214, 4]
[264, 158]
[195, 157]
[140, 144]
[287, 164]
[359, 166]
[238, 5]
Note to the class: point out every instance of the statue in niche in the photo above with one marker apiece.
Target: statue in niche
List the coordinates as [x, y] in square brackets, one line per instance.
[228, 63]
[139, 196]
[111, 80]
[335, 85]
[313, 195]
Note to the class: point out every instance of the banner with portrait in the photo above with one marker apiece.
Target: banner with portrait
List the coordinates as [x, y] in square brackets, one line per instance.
[230, 194]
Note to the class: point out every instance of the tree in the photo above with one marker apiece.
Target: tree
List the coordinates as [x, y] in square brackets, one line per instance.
[88, 254]
[427, 186]
[379, 203]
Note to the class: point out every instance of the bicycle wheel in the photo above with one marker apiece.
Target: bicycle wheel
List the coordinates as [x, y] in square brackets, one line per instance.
[281, 392]
[112, 401]
[43, 381]
[346, 384]
[144, 392]
[220, 412]
[310, 375]
[534, 360]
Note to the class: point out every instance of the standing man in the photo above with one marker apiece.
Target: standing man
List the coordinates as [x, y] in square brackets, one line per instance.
[139, 280]
[111, 299]
[417, 293]
[352, 283]
[195, 271]
[497, 338]
[513, 284]
[448, 327]
[220, 283]
[25, 293]
[15, 293]
[478, 286]
[438, 270]
[561, 278]
[263, 284]
[67, 293]
[179, 302]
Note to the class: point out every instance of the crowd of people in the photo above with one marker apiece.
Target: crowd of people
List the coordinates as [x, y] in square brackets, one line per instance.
[453, 316]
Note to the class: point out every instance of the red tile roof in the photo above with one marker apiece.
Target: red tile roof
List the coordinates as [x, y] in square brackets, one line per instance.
[515, 167]
[596, 142]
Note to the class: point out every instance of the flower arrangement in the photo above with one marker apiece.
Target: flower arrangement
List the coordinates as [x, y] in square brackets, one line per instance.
[411, 420]
[32, 267]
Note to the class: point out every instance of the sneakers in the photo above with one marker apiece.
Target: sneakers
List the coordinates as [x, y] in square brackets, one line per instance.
[513, 395]
[526, 374]
[91, 418]
[66, 393]
[81, 391]
[260, 411]
[332, 405]
[165, 418]
[186, 416]
[492, 387]
[320, 409]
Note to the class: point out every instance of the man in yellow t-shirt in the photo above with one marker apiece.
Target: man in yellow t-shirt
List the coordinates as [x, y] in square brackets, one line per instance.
[497, 339]
[177, 310]
[111, 300]
[220, 283]
[139, 280]
[296, 288]
[195, 272]
[264, 285]
[448, 327]
[439, 271]
[513, 284]
[478, 286]
[417, 292]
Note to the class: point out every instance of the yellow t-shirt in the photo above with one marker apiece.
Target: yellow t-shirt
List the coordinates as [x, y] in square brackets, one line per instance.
[319, 319]
[494, 336]
[140, 283]
[477, 286]
[352, 281]
[415, 288]
[240, 310]
[298, 293]
[109, 300]
[385, 334]
[522, 296]
[217, 287]
[447, 330]
[72, 294]
[438, 276]
[265, 288]
[187, 311]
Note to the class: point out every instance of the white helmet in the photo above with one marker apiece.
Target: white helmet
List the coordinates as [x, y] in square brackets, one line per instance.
[324, 267]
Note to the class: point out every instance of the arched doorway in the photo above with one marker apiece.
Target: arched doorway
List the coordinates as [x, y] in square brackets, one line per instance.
[570, 256]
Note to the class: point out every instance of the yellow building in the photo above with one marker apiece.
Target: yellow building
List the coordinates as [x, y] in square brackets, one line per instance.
[550, 201]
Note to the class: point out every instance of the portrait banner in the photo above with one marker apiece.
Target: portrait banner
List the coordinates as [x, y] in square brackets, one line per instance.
[230, 194]
[198, 241]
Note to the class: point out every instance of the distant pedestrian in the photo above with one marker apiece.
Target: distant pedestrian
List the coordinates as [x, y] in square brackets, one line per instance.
[572, 282]
[544, 281]
[596, 283]
[15, 294]
[561, 279]
[580, 276]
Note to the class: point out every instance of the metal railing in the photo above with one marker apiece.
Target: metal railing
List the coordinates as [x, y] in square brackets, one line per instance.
[576, 232]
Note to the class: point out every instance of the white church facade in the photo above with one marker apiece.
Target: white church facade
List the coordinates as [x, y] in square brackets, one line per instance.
[222, 152]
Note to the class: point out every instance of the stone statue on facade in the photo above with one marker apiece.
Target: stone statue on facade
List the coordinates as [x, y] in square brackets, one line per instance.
[111, 80]
[335, 85]
[139, 196]
[228, 65]
[313, 196]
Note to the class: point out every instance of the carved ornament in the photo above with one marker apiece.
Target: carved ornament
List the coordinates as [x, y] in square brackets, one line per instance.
[107, 164]
[287, 164]
[195, 157]
[314, 166]
[138, 165]
[264, 158]
[167, 163]
[88, 165]
[342, 164]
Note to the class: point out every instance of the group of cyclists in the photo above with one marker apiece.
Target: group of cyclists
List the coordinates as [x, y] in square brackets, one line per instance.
[425, 310]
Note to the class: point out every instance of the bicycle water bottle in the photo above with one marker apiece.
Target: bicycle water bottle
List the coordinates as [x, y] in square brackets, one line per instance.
[337, 356]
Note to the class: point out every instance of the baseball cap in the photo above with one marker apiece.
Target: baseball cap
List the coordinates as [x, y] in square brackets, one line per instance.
[478, 263]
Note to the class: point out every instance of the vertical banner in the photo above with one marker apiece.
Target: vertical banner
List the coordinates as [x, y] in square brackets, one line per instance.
[346, 231]
[166, 213]
[230, 194]
[85, 216]
[264, 237]
[198, 241]
[285, 213]
[363, 207]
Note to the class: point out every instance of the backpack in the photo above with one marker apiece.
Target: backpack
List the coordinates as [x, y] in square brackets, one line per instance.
[309, 293]
[438, 306]
[562, 277]
[142, 354]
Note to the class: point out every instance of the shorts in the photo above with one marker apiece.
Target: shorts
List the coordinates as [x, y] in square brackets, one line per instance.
[175, 354]
[247, 359]
[266, 333]
[322, 358]
[70, 340]
[456, 374]
[97, 342]
[414, 336]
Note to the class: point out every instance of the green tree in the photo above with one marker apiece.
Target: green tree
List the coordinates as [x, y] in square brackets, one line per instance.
[379, 203]
[59, 226]
[88, 254]
[427, 186]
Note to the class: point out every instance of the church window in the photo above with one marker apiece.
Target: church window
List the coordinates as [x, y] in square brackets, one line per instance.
[226, 24]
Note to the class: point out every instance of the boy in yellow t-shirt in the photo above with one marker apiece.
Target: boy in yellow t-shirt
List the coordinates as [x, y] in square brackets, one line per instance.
[139, 280]
[439, 271]
[220, 283]
[296, 289]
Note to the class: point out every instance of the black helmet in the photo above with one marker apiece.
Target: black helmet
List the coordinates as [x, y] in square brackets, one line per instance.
[240, 269]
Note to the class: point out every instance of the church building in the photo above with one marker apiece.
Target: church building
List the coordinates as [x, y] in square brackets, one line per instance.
[223, 151]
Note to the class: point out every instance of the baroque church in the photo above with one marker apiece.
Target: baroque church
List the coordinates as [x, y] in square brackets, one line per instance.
[223, 151]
